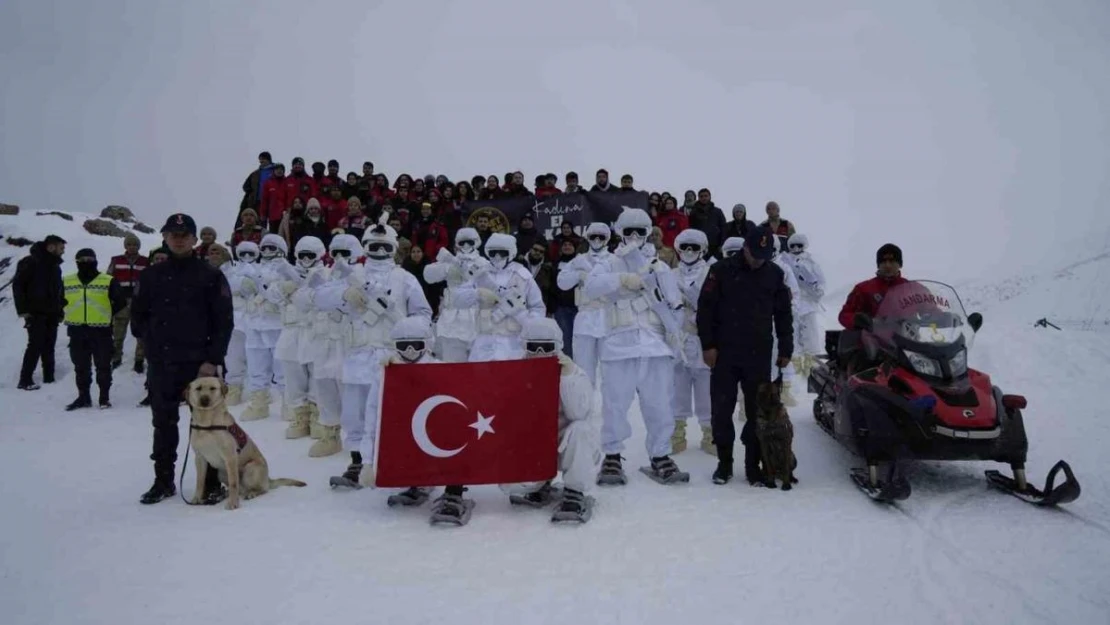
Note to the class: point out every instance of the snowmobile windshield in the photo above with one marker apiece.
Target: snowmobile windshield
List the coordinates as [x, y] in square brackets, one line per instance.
[926, 324]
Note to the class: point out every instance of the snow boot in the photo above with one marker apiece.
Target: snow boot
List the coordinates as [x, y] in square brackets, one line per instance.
[664, 471]
[678, 439]
[575, 507]
[299, 427]
[707, 440]
[349, 479]
[452, 508]
[328, 445]
[788, 397]
[287, 412]
[314, 429]
[159, 491]
[612, 473]
[83, 401]
[540, 498]
[413, 496]
[258, 408]
[234, 395]
[723, 474]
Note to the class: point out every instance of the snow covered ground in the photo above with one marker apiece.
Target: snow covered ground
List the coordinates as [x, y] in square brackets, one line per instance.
[78, 548]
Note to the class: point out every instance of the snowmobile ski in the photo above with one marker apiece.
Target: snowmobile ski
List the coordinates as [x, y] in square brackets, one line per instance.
[452, 510]
[414, 496]
[678, 477]
[1052, 495]
[541, 498]
[577, 509]
[895, 488]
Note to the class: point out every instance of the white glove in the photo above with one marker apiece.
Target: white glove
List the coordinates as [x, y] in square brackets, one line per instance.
[355, 297]
[287, 287]
[487, 298]
[303, 300]
[445, 256]
[632, 281]
[478, 268]
[342, 269]
[248, 287]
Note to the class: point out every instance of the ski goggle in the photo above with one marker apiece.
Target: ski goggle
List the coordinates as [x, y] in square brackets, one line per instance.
[410, 345]
[247, 255]
[466, 245]
[269, 248]
[797, 246]
[729, 253]
[306, 256]
[628, 232]
[498, 253]
[539, 347]
[600, 238]
[689, 247]
[386, 248]
[341, 253]
[91, 260]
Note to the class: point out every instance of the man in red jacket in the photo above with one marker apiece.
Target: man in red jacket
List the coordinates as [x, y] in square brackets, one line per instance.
[277, 197]
[125, 268]
[868, 295]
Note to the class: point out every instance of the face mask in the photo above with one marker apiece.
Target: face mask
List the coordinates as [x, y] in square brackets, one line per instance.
[690, 256]
[410, 350]
[247, 257]
[499, 258]
[597, 243]
[307, 259]
[270, 252]
[466, 247]
[634, 237]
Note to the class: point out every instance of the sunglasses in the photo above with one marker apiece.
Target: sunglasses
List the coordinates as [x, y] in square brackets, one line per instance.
[306, 256]
[634, 231]
[340, 253]
[598, 237]
[379, 247]
[498, 253]
[689, 247]
[404, 346]
[539, 347]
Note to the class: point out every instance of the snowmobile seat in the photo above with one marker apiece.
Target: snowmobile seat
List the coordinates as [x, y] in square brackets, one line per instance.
[832, 343]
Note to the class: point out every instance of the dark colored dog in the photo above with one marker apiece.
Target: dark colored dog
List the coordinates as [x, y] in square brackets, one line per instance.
[776, 436]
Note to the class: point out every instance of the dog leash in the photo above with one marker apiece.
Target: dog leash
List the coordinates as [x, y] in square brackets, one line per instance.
[220, 372]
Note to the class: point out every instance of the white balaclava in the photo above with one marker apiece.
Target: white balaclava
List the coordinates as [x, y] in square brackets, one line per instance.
[798, 242]
[467, 241]
[273, 247]
[731, 246]
[634, 227]
[597, 236]
[691, 245]
[247, 252]
[412, 338]
[380, 243]
[500, 248]
[309, 251]
[348, 248]
[776, 247]
[541, 336]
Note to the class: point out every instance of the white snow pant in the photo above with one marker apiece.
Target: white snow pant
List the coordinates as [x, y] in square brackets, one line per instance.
[652, 377]
[809, 334]
[236, 360]
[299, 389]
[329, 399]
[691, 386]
[261, 369]
[353, 415]
[453, 350]
[787, 371]
[579, 458]
[585, 350]
[491, 347]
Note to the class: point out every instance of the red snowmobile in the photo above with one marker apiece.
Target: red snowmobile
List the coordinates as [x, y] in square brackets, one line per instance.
[897, 387]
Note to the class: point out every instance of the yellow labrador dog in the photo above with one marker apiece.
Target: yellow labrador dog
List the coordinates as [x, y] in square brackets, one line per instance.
[218, 441]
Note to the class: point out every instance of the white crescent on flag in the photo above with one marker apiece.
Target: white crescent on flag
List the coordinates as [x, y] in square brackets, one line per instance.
[420, 426]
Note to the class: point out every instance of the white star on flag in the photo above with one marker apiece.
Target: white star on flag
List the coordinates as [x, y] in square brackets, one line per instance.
[483, 425]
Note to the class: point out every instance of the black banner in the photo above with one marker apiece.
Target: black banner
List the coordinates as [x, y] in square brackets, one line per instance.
[549, 213]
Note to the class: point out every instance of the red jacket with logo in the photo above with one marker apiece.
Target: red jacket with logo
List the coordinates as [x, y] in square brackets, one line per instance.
[277, 197]
[304, 187]
[126, 271]
[671, 223]
[866, 297]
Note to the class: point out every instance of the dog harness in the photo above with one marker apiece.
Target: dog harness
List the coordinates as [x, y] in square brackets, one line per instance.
[236, 432]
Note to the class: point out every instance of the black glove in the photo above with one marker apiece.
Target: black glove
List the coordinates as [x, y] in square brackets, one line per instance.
[861, 321]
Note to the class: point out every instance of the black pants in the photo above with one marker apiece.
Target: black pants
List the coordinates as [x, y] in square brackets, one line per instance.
[42, 334]
[89, 346]
[167, 382]
[724, 381]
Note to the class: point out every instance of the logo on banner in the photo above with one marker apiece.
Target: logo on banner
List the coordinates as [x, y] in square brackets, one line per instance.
[498, 222]
[483, 425]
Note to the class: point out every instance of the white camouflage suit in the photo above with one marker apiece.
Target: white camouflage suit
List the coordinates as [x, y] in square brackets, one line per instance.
[263, 321]
[457, 325]
[236, 361]
[811, 283]
[506, 295]
[691, 374]
[374, 296]
[294, 345]
[792, 283]
[637, 356]
[589, 323]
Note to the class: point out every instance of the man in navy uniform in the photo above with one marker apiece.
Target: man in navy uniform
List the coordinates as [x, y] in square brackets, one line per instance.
[182, 311]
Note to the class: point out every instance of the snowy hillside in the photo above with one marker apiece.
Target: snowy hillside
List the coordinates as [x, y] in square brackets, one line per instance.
[78, 548]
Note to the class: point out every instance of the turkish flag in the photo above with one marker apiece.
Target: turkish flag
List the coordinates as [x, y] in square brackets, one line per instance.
[468, 423]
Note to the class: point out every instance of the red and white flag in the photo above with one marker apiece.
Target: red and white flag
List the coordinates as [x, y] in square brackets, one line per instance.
[468, 423]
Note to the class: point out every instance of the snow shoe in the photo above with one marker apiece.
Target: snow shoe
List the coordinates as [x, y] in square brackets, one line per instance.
[159, 491]
[537, 499]
[707, 440]
[1052, 495]
[723, 474]
[894, 488]
[349, 479]
[329, 443]
[413, 496]
[575, 507]
[451, 509]
[82, 401]
[612, 473]
[678, 439]
[664, 471]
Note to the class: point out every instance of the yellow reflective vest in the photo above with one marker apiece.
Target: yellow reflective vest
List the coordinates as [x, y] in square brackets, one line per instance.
[88, 304]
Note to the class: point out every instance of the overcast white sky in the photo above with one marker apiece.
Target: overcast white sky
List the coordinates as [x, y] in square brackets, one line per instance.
[967, 132]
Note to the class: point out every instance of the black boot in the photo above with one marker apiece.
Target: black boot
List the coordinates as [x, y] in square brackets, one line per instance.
[139, 368]
[214, 490]
[28, 386]
[752, 468]
[723, 474]
[160, 490]
[145, 401]
[104, 401]
[83, 401]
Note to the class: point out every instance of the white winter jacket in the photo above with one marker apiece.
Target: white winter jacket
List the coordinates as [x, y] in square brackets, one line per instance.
[590, 320]
[634, 329]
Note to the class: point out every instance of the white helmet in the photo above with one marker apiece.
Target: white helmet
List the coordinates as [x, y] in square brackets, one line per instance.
[541, 337]
[691, 245]
[345, 247]
[467, 241]
[634, 227]
[273, 247]
[500, 248]
[597, 235]
[380, 243]
[309, 251]
[247, 251]
[798, 243]
[731, 246]
[412, 338]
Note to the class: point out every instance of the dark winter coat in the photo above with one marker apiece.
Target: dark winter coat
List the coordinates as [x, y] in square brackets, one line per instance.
[182, 312]
[739, 228]
[433, 292]
[545, 279]
[37, 285]
[741, 310]
[253, 186]
[710, 220]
